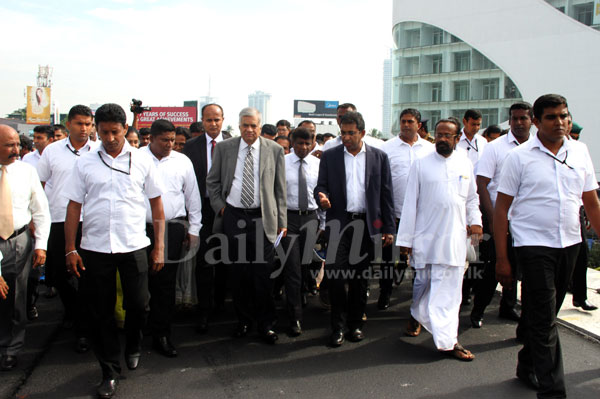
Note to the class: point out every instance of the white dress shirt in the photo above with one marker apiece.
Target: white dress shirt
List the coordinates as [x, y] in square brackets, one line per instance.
[311, 171]
[176, 172]
[473, 148]
[401, 156]
[209, 140]
[492, 159]
[356, 171]
[547, 192]
[56, 165]
[32, 158]
[29, 201]
[113, 193]
[441, 200]
[370, 140]
[235, 195]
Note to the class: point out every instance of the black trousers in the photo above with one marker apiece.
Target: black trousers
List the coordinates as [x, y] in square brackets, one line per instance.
[348, 307]
[67, 285]
[251, 257]
[162, 284]
[485, 287]
[579, 281]
[99, 288]
[546, 274]
[211, 277]
[391, 259]
[16, 264]
[298, 246]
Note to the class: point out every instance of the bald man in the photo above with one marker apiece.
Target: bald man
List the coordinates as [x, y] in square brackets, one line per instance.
[22, 200]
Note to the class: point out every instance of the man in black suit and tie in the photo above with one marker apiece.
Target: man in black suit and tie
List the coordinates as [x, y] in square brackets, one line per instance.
[247, 191]
[355, 188]
[210, 278]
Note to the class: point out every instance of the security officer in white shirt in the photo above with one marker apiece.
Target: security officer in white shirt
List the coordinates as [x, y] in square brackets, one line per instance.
[56, 165]
[543, 183]
[22, 200]
[111, 183]
[176, 172]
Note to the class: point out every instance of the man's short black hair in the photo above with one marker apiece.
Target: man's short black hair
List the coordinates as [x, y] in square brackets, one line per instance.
[491, 130]
[268, 130]
[285, 123]
[161, 126]
[353, 117]
[451, 120]
[302, 133]
[208, 105]
[521, 105]
[79, 110]
[26, 142]
[424, 126]
[45, 129]
[183, 131]
[306, 121]
[330, 135]
[196, 127]
[547, 101]
[283, 138]
[413, 112]
[347, 106]
[472, 114]
[144, 131]
[111, 113]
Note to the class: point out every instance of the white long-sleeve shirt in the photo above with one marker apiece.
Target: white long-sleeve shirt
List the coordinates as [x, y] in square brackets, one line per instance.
[441, 200]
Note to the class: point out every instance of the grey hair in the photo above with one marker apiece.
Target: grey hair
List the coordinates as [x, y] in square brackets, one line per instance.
[250, 111]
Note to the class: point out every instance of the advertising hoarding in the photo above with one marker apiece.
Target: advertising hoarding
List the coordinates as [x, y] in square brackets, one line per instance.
[315, 109]
[38, 105]
[178, 116]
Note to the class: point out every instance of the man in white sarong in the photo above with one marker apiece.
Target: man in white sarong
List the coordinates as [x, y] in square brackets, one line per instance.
[440, 209]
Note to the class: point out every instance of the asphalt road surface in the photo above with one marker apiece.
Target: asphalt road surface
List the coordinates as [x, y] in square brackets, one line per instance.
[385, 365]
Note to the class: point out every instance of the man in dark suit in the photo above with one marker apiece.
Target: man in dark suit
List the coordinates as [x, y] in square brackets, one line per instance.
[247, 191]
[210, 278]
[355, 187]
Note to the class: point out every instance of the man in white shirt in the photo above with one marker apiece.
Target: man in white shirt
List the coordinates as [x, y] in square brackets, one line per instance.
[22, 200]
[488, 177]
[176, 172]
[56, 165]
[440, 208]
[543, 183]
[341, 111]
[402, 151]
[42, 136]
[301, 171]
[111, 183]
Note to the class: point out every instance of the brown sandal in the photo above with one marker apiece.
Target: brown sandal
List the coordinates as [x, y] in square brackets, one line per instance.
[460, 353]
[413, 327]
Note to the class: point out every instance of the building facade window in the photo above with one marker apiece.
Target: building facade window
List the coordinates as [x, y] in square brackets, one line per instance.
[412, 66]
[584, 13]
[462, 61]
[436, 63]
[436, 92]
[434, 117]
[413, 38]
[489, 89]
[489, 117]
[437, 36]
[461, 90]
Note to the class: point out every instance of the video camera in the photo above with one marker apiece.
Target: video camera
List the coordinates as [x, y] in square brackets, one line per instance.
[136, 107]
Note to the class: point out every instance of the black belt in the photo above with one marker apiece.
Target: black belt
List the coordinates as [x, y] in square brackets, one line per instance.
[307, 212]
[16, 233]
[247, 211]
[356, 215]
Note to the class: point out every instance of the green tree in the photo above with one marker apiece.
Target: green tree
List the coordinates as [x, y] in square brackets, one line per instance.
[20, 113]
[375, 133]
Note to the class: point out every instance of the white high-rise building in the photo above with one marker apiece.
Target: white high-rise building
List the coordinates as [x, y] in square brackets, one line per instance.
[261, 101]
[386, 123]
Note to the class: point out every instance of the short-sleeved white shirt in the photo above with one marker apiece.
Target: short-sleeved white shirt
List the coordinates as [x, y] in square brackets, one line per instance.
[474, 148]
[113, 192]
[547, 192]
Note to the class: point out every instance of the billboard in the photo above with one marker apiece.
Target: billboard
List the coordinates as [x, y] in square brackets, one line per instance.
[179, 116]
[38, 105]
[315, 109]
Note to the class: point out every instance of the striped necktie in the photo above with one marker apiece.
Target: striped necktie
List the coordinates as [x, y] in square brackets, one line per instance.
[248, 180]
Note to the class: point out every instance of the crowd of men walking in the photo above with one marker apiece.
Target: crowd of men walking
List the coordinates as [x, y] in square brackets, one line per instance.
[252, 208]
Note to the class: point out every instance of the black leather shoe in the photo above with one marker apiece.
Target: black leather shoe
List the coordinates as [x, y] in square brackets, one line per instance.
[270, 337]
[32, 313]
[337, 339]
[164, 346]
[476, 320]
[295, 328]
[529, 378]
[202, 326]
[241, 330]
[356, 335]
[8, 363]
[585, 305]
[82, 345]
[383, 302]
[132, 360]
[107, 388]
[509, 314]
